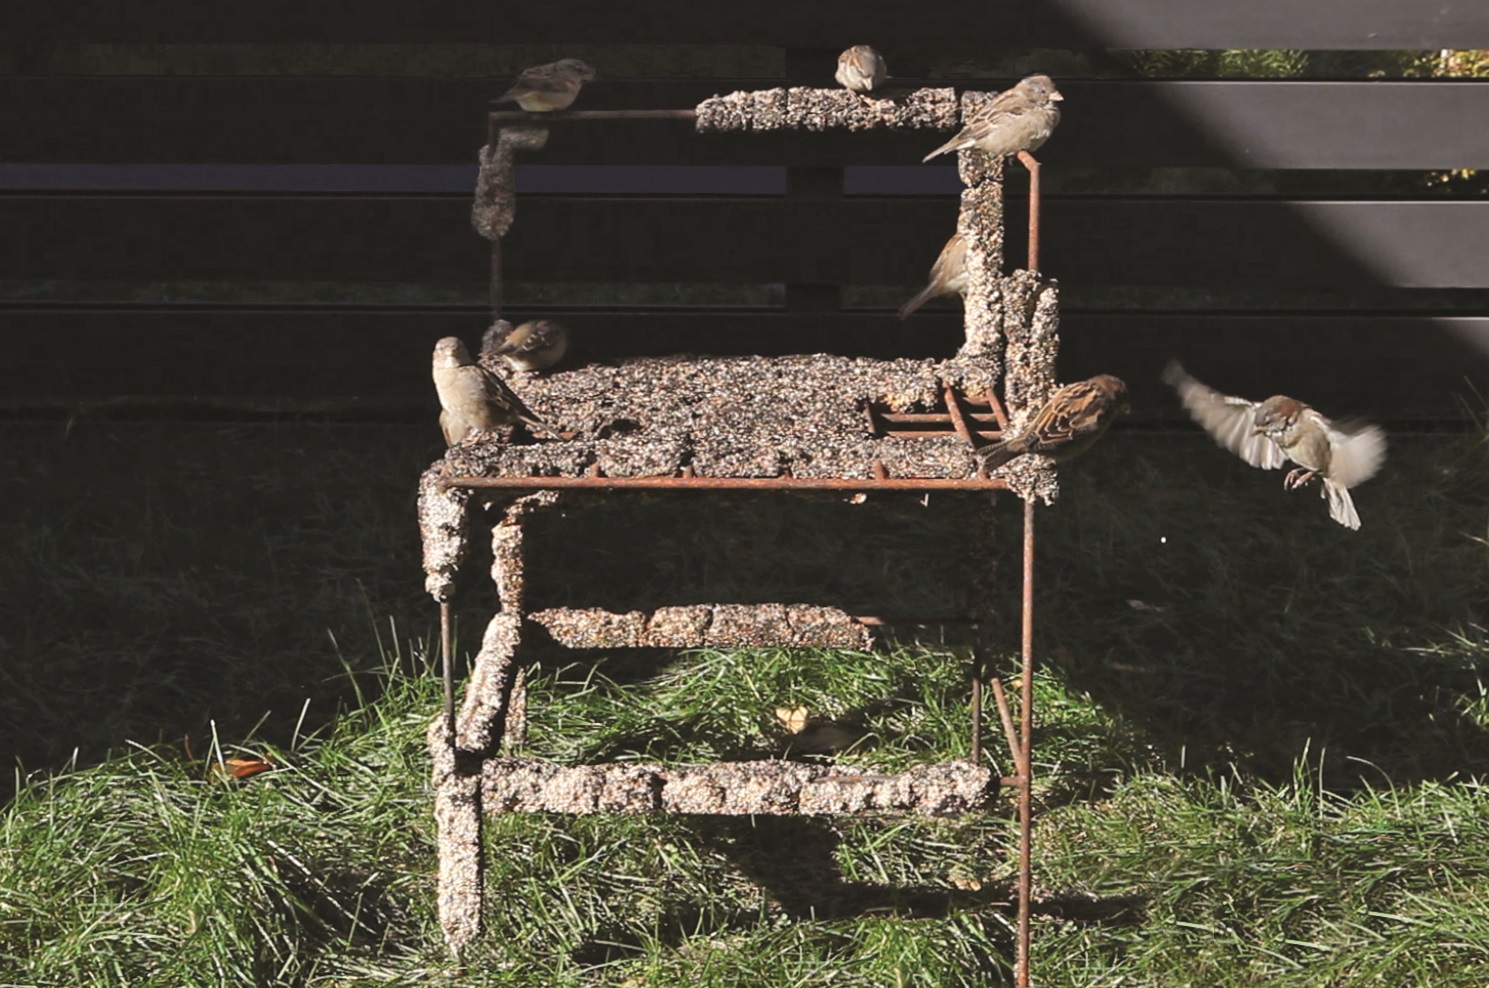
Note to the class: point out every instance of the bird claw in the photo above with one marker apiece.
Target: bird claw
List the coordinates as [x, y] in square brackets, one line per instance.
[1299, 477]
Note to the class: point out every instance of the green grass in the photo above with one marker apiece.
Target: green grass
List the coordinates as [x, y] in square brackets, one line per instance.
[1264, 772]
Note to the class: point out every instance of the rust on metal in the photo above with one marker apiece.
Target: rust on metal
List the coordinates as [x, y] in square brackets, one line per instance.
[954, 412]
[1032, 164]
[1026, 737]
[497, 117]
[1015, 749]
[447, 666]
[978, 664]
[999, 415]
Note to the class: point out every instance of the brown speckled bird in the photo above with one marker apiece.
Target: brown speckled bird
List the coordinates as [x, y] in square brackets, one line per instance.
[473, 398]
[1017, 119]
[861, 69]
[546, 88]
[1268, 434]
[533, 346]
[948, 275]
[1066, 425]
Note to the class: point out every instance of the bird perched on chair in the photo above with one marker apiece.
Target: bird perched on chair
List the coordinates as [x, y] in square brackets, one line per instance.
[1269, 434]
[546, 88]
[1017, 119]
[861, 69]
[533, 346]
[948, 275]
[473, 398]
[1073, 418]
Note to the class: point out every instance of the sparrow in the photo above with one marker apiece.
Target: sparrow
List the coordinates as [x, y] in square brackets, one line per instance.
[473, 398]
[532, 346]
[861, 69]
[1017, 119]
[948, 275]
[1269, 434]
[1071, 420]
[545, 88]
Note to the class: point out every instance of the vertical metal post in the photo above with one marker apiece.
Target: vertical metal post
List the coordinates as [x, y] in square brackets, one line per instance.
[977, 674]
[1026, 736]
[1030, 163]
[447, 664]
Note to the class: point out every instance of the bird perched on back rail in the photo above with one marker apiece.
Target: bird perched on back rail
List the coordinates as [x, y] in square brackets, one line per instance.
[1017, 119]
[533, 346]
[948, 275]
[1269, 434]
[473, 398]
[546, 88]
[861, 69]
[1066, 425]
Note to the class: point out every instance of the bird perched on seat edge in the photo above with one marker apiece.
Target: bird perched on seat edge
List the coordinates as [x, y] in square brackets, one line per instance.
[1066, 425]
[1268, 434]
[948, 275]
[533, 346]
[861, 69]
[546, 88]
[1017, 119]
[473, 398]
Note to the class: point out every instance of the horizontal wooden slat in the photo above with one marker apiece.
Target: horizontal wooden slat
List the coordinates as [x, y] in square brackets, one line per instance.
[857, 240]
[1392, 366]
[1293, 124]
[1342, 24]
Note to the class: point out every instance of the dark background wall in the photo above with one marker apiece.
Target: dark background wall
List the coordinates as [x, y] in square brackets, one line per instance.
[267, 209]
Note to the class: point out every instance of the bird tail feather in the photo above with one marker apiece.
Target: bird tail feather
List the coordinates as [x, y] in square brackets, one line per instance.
[1341, 505]
[996, 455]
[916, 302]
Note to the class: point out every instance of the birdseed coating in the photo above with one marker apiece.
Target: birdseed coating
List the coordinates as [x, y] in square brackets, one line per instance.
[495, 202]
[730, 417]
[519, 785]
[457, 816]
[444, 527]
[813, 109]
[506, 550]
[482, 718]
[1033, 345]
[707, 625]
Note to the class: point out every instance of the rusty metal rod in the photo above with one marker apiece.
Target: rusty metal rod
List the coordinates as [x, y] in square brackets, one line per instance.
[522, 116]
[906, 418]
[1032, 164]
[978, 665]
[954, 410]
[1026, 738]
[1015, 749]
[878, 620]
[736, 483]
[936, 433]
[447, 665]
[999, 415]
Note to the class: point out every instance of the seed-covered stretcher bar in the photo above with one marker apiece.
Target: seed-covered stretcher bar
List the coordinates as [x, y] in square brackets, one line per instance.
[801, 423]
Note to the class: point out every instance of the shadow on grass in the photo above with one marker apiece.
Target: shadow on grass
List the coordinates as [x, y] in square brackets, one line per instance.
[160, 578]
[1230, 626]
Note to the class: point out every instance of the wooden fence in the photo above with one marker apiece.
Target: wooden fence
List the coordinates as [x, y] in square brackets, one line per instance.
[1376, 304]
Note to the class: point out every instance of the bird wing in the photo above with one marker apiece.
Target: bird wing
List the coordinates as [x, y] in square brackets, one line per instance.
[1073, 412]
[539, 79]
[1229, 420]
[519, 340]
[1356, 450]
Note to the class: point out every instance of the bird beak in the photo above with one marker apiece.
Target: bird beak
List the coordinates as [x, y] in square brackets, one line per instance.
[1056, 97]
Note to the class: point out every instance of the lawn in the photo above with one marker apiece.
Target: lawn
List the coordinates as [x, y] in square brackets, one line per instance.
[1258, 748]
